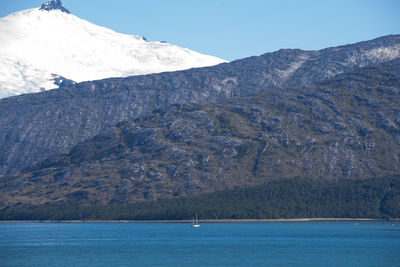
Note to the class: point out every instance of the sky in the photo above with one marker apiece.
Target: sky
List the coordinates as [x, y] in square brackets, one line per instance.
[234, 29]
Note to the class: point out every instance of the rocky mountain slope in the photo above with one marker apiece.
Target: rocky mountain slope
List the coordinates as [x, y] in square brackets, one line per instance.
[37, 126]
[44, 48]
[347, 127]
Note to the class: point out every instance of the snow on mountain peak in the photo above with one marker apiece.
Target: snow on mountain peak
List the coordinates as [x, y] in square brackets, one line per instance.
[37, 46]
[54, 5]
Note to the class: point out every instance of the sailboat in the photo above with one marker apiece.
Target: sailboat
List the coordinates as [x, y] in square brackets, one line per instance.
[195, 222]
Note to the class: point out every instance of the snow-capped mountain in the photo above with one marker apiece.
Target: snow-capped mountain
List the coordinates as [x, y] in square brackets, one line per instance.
[42, 47]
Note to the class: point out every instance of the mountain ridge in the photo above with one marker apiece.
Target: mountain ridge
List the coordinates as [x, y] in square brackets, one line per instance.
[39, 125]
[347, 127]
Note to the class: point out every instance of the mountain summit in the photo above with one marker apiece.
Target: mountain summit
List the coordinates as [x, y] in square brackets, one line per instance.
[41, 48]
[54, 5]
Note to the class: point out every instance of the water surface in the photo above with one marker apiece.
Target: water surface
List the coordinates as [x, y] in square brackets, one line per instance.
[216, 244]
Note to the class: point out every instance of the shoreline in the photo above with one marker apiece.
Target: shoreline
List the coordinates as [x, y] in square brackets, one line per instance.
[202, 221]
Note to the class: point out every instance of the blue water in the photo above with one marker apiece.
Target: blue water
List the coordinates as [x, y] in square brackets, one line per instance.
[213, 244]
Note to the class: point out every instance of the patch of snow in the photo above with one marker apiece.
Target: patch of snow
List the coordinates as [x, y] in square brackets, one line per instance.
[384, 53]
[286, 73]
[219, 85]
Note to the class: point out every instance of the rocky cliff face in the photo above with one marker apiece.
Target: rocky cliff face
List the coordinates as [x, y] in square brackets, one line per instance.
[54, 5]
[347, 127]
[36, 126]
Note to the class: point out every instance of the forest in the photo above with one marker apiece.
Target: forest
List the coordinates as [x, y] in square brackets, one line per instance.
[283, 198]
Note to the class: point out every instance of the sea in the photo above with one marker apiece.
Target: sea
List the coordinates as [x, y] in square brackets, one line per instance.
[316, 243]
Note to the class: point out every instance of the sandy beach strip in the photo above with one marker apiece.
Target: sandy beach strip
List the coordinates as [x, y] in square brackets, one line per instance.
[202, 221]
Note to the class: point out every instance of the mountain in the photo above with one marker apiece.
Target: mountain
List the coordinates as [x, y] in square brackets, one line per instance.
[37, 126]
[44, 48]
[347, 127]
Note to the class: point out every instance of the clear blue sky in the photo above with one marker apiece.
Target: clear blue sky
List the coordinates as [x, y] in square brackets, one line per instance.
[233, 29]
